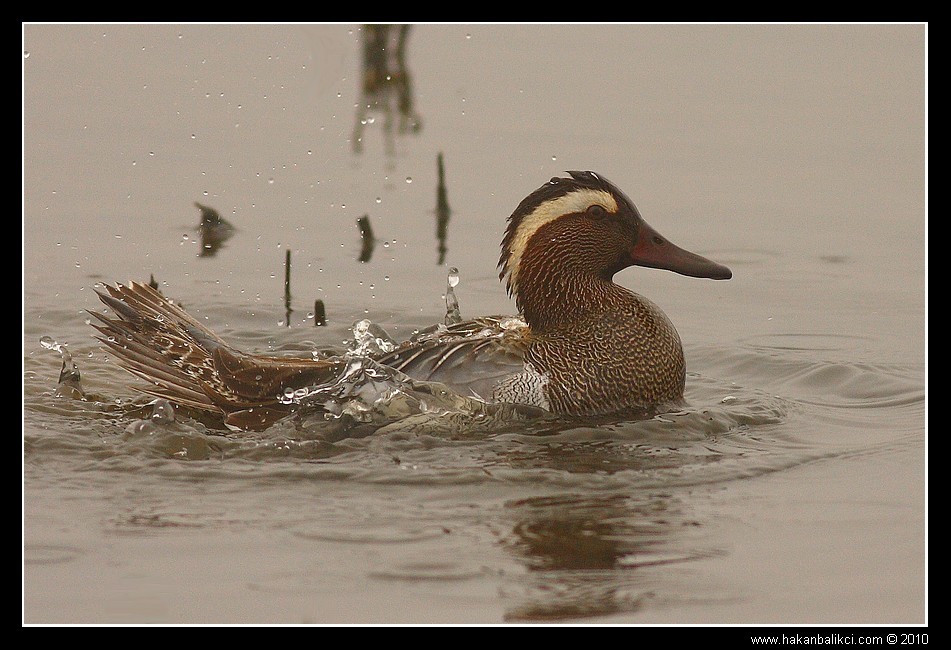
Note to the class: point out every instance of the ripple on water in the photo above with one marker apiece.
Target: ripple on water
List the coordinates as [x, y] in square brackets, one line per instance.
[447, 448]
[805, 341]
[50, 553]
[810, 369]
[372, 533]
[596, 556]
[726, 429]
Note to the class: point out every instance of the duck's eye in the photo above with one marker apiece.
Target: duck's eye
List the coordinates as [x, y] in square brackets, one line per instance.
[597, 211]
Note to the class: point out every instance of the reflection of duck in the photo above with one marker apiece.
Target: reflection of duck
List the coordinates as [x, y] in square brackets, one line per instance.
[588, 556]
[213, 230]
[386, 81]
[584, 345]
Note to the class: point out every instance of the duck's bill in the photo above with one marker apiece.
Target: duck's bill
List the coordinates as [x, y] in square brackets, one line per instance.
[656, 252]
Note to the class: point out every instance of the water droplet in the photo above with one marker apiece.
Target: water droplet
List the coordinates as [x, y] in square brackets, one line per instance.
[185, 237]
[468, 37]
[26, 54]
[379, 200]
[386, 278]
[270, 181]
[409, 179]
[371, 120]
[162, 412]
[48, 342]
[452, 303]
[554, 157]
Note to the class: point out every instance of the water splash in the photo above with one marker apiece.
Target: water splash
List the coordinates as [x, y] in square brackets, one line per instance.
[369, 392]
[452, 303]
[162, 415]
[162, 412]
[70, 381]
[370, 339]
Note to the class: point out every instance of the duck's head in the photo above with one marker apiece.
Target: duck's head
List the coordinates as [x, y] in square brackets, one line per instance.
[585, 227]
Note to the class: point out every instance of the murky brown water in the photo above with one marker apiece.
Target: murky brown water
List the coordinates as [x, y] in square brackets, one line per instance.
[792, 488]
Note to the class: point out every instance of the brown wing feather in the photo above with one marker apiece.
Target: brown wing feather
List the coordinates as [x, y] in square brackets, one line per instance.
[472, 356]
[187, 363]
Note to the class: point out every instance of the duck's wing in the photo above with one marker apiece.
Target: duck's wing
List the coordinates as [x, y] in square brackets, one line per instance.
[185, 362]
[470, 357]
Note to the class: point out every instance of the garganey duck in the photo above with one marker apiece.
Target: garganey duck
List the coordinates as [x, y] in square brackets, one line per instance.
[582, 345]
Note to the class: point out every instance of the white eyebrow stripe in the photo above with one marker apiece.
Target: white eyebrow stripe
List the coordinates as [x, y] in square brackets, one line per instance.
[576, 201]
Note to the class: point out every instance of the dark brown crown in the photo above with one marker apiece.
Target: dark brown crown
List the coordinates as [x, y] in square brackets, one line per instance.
[553, 190]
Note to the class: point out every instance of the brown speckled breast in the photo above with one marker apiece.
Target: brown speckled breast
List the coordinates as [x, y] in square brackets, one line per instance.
[626, 357]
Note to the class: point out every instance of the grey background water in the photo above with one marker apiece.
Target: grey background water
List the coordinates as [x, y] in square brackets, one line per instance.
[791, 489]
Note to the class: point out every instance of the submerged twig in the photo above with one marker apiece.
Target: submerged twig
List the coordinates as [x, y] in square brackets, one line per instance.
[442, 211]
[287, 287]
[367, 238]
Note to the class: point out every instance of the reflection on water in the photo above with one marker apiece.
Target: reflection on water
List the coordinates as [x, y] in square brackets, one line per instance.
[387, 86]
[592, 556]
[213, 231]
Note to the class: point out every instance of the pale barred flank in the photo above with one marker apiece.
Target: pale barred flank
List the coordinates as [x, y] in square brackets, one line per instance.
[574, 202]
[526, 387]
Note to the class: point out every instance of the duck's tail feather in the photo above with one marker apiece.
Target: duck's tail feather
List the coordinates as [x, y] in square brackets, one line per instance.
[185, 362]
